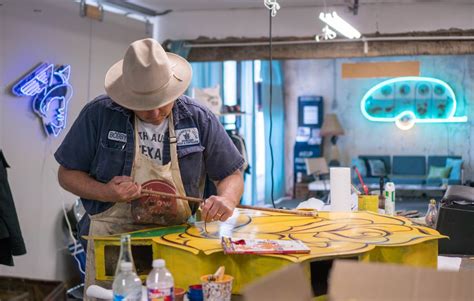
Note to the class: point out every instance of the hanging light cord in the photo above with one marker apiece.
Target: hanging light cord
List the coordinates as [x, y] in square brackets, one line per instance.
[272, 163]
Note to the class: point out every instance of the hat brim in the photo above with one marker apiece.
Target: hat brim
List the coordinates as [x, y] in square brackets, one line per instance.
[121, 94]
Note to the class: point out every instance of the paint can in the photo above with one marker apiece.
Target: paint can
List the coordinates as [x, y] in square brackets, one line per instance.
[390, 198]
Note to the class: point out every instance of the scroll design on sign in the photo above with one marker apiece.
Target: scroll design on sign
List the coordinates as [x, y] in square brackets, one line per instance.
[329, 234]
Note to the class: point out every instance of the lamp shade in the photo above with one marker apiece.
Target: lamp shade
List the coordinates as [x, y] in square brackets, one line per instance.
[331, 126]
[317, 166]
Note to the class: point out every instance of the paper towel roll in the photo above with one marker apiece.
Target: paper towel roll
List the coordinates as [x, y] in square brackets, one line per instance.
[340, 179]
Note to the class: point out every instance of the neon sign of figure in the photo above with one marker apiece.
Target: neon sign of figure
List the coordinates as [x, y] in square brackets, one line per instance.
[51, 93]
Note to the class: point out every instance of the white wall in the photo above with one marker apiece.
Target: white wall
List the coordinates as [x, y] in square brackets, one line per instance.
[384, 18]
[55, 34]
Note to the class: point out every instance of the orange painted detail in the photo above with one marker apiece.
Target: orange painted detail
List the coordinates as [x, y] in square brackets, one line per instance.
[380, 69]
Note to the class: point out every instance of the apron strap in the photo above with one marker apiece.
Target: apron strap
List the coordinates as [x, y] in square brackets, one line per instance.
[176, 173]
[173, 145]
[136, 137]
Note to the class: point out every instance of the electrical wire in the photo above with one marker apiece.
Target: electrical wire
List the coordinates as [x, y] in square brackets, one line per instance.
[272, 162]
[48, 151]
[334, 86]
[464, 84]
[469, 146]
[89, 67]
[71, 235]
[447, 140]
[73, 239]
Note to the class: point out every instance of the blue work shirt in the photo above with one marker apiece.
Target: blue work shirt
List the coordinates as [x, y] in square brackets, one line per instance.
[101, 143]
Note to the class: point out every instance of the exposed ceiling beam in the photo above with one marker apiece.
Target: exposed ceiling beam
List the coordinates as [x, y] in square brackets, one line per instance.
[416, 43]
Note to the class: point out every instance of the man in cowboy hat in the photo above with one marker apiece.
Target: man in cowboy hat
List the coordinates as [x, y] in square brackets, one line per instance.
[145, 133]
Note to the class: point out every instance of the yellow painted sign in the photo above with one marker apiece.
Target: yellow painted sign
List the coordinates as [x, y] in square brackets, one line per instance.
[329, 234]
[193, 251]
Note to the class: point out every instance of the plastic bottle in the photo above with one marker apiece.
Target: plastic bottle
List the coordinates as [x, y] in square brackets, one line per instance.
[381, 194]
[160, 283]
[390, 198]
[127, 286]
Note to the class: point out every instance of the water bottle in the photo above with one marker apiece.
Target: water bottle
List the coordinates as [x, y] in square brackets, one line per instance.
[160, 283]
[127, 286]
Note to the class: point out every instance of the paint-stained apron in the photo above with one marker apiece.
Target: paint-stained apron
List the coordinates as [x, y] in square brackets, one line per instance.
[118, 218]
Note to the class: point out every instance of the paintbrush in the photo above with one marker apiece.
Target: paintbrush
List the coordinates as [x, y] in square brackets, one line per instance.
[312, 213]
[170, 195]
[198, 200]
[218, 275]
[364, 187]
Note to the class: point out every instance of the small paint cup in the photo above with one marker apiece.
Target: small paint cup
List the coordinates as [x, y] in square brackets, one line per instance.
[195, 293]
[217, 290]
[368, 203]
[179, 294]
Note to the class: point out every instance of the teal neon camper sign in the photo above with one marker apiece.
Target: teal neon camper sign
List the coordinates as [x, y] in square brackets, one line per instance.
[409, 100]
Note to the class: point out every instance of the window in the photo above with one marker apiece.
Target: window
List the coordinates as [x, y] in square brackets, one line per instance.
[259, 136]
[240, 83]
[230, 93]
[252, 130]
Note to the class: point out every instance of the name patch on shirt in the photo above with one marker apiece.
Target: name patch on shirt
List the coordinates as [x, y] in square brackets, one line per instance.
[188, 136]
[117, 136]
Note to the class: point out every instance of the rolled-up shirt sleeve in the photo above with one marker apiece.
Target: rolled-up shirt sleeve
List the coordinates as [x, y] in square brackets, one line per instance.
[220, 154]
[78, 148]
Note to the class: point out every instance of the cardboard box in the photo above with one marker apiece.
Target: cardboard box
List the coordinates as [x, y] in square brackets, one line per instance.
[289, 283]
[352, 280]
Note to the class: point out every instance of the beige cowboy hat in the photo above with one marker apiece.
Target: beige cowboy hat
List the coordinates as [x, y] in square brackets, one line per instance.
[148, 77]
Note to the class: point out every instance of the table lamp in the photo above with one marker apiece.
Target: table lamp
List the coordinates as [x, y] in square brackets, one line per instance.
[316, 166]
[332, 128]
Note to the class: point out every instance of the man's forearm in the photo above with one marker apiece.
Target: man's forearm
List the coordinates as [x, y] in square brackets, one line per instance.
[231, 187]
[81, 184]
[118, 189]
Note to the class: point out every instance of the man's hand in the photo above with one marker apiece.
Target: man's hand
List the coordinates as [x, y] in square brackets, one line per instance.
[119, 189]
[217, 208]
[229, 192]
[122, 189]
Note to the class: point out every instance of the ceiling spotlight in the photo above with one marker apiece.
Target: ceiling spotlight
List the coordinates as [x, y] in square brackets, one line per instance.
[336, 22]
